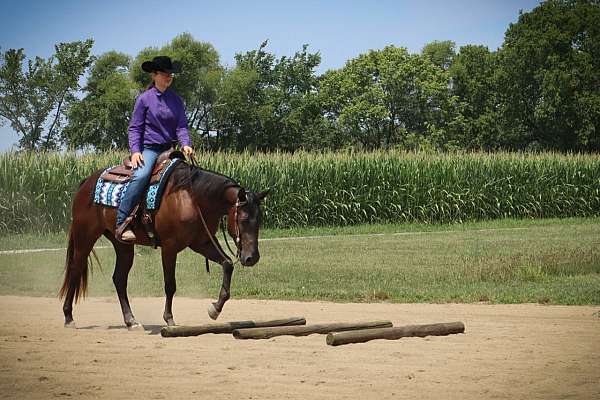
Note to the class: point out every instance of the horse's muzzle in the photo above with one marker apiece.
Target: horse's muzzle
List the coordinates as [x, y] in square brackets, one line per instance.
[248, 260]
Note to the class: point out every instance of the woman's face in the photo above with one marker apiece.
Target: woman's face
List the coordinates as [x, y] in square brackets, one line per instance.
[162, 79]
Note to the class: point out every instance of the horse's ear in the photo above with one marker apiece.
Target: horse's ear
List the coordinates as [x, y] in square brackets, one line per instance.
[261, 195]
[242, 195]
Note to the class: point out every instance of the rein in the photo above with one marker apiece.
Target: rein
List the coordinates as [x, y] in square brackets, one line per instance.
[238, 204]
[236, 257]
[193, 160]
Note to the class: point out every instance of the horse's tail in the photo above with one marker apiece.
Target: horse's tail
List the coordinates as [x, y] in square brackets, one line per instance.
[75, 278]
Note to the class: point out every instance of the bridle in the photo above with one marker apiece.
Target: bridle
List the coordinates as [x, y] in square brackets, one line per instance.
[238, 238]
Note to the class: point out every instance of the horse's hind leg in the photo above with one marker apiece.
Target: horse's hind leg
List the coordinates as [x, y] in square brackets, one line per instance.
[120, 277]
[169, 261]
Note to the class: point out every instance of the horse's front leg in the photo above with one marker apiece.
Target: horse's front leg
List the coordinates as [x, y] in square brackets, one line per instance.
[169, 261]
[216, 254]
[215, 308]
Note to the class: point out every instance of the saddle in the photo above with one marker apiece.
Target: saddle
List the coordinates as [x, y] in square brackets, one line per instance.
[123, 173]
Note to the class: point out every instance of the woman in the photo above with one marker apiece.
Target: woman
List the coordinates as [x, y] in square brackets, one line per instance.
[157, 123]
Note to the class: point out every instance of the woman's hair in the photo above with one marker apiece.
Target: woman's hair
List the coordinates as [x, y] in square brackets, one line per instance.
[151, 84]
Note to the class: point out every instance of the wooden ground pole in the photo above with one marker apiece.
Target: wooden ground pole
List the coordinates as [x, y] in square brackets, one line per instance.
[226, 327]
[266, 333]
[361, 336]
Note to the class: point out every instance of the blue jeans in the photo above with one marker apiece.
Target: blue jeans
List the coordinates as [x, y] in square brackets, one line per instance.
[137, 185]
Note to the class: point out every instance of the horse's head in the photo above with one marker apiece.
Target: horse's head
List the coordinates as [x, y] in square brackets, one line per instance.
[243, 225]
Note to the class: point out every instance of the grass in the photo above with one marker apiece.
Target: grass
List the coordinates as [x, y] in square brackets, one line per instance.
[553, 261]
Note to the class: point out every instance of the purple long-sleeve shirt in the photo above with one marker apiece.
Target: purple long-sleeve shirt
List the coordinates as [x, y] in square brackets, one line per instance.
[158, 118]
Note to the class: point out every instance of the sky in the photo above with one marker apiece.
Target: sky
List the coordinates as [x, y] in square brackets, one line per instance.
[339, 30]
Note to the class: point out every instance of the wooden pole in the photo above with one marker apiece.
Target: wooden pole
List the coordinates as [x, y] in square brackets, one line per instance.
[266, 333]
[336, 339]
[227, 327]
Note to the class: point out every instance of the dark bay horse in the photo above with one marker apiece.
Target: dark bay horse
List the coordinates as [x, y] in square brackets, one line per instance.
[191, 194]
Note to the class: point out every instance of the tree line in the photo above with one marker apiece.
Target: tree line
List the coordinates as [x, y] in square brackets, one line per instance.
[539, 91]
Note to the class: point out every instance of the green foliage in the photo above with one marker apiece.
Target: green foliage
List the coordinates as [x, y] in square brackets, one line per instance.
[473, 76]
[268, 103]
[380, 97]
[100, 119]
[336, 189]
[440, 53]
[34, 97]
[550, 75]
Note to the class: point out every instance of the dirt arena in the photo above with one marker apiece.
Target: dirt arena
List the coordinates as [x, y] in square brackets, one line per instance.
[508, 351]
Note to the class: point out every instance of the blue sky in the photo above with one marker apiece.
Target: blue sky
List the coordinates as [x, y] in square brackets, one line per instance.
[339, 30]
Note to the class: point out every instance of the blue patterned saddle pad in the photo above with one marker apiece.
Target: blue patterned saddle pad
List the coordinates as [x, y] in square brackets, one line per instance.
[110, 193]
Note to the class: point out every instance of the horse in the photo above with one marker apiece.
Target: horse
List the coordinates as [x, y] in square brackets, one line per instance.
[193, 202]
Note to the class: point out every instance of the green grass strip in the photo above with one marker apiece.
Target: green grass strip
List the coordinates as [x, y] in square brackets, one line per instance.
[510, 261]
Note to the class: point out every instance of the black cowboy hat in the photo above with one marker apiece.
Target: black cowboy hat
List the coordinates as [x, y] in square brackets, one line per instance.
[161, 63]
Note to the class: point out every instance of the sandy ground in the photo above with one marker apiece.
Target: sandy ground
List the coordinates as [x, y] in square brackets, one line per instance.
[508, 351]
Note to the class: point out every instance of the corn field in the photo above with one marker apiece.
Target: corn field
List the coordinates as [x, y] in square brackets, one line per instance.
[329, 189]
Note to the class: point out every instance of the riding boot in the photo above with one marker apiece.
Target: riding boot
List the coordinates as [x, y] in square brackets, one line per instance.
[123, 232]
[128, 236]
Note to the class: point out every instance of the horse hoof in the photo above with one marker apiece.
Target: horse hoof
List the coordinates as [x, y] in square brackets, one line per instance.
[137, 327]
[212, 312]
[70, 325]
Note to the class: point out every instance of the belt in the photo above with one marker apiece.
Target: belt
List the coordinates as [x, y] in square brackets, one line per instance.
[160, 146]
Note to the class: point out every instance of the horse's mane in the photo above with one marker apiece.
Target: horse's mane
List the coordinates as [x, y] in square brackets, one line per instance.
[201, 181]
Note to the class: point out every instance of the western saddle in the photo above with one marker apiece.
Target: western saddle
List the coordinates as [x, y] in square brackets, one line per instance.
[122, 173]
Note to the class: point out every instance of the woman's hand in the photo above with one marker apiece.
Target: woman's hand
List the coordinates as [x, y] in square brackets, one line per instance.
[188, 151]
[137, 160]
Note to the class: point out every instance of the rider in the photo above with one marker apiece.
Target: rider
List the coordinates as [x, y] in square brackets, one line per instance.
[158, 121]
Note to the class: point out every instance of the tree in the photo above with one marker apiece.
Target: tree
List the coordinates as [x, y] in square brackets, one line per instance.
[101, 118]
[440, 53]
[384, 97]
[295, 96]
[271, 103]
[238, 119]
[550, 75]
[473, 75]
[34, 97]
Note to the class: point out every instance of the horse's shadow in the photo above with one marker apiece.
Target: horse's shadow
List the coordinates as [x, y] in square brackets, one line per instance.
[149, 329]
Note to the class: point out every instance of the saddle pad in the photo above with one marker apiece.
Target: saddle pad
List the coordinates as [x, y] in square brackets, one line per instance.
[110, 193]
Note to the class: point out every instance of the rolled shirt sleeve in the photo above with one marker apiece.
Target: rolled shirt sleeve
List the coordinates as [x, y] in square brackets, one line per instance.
[136, 126]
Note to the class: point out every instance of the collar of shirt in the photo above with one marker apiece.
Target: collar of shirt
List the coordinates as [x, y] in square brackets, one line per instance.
[158, 92]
